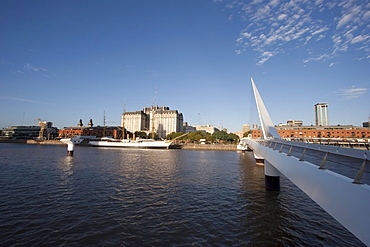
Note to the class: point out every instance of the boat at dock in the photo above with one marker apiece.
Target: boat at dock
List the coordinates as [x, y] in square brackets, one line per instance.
[124, 143]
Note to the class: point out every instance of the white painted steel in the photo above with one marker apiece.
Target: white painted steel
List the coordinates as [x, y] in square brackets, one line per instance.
[350, 152]
[71, 142]
[346, 202]
[268, 129]
[270, 170]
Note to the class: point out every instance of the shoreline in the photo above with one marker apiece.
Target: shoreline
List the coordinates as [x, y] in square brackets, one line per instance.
[225, 147]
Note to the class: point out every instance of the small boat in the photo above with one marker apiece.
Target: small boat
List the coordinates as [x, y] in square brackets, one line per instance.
[243, 146]
[138, 143]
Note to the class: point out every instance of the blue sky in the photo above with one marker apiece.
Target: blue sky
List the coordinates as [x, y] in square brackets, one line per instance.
[62, 61]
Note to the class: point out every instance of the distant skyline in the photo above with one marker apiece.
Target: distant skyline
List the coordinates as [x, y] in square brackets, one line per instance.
[62, 61]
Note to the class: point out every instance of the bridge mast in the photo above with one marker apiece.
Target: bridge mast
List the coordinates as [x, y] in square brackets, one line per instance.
[267, 126]
[272, 175]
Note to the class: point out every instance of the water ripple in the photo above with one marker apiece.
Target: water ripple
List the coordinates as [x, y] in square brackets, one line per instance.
[120, 197]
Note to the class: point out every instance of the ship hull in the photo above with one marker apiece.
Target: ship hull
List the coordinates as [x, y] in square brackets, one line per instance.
[132, 144]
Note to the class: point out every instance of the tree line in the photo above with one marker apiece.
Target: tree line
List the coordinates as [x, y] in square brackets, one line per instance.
[217, 137]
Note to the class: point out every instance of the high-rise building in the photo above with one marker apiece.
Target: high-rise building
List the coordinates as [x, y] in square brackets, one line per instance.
[246, 128]
[321, 114]
[160, 120]
[206, 128]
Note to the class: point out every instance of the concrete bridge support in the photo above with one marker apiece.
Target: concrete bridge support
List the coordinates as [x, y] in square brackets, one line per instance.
[71, 144]
[272, 177]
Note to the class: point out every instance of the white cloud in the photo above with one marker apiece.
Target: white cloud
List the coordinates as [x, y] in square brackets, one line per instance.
[359, 38]
[274, 3]
[366, 15]
[281, 17]
[29, 67]
[26, 100]
[352, 92]
[246, 35]
[276, 24]
[323, 29]
[266, 56]
[322, 57]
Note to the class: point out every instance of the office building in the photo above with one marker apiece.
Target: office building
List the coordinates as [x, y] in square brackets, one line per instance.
[45, 131]
[246, 128]
[206, 128]
[159, 120]
[321, 114]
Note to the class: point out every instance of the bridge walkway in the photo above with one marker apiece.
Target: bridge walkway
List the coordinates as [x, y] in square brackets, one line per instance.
[352, 163]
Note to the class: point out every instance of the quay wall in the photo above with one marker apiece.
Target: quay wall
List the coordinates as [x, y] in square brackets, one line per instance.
[12, 141]
[208, 147]
[185, 146]
[47, 142]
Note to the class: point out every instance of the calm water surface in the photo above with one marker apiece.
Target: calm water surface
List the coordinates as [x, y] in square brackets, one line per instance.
[128, 197]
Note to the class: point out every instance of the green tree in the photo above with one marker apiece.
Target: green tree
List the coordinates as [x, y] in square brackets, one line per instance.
[220, 135]
[233, 138]
[141, 134]
[247, 133]
[173, 135]
[224, 136]
[197, 135]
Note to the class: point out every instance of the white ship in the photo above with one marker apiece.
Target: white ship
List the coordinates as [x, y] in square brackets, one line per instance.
[139, 143]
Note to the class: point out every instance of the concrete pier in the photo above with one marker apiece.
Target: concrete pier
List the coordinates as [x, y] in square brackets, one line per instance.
[272, 177]
[71, 144]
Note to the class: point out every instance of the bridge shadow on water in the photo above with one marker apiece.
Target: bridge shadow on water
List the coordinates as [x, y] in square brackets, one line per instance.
[284, 218]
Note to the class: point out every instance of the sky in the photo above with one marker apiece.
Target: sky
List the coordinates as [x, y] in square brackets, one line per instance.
[62, 61]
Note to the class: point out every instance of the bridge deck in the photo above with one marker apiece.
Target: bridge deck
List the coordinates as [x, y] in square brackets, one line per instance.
[345, 161]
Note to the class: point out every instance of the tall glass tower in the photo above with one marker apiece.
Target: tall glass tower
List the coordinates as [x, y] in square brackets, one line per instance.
[321, 114]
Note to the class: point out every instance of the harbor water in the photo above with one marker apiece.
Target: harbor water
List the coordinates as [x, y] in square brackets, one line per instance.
[133, 197]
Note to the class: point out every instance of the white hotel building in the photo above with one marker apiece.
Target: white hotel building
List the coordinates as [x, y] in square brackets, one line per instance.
[160, 120]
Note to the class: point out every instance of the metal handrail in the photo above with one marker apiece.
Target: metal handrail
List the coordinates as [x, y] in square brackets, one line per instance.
[348, 152]
[338, 151]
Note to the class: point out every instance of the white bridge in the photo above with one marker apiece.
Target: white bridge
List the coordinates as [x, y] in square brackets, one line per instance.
[336, 178]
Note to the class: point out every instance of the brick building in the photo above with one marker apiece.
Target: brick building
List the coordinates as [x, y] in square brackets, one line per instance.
[319, 132]
[90, 130]
[69, 132]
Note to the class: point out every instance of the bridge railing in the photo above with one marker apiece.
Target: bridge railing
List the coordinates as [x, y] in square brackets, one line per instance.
[352, 163]
[349, 143]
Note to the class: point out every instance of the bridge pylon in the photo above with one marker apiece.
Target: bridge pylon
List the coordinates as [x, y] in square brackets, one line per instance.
[345, 199]
[272, 175]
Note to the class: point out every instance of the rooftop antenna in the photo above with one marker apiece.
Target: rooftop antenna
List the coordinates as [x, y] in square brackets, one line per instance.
[123, 119]
[104, 122]
[155, 96]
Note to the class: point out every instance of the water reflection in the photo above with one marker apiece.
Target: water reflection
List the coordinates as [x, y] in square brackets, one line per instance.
[283, 218]
[123, 197]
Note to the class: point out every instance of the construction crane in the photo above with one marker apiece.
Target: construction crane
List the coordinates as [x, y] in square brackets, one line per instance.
[42, 125]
